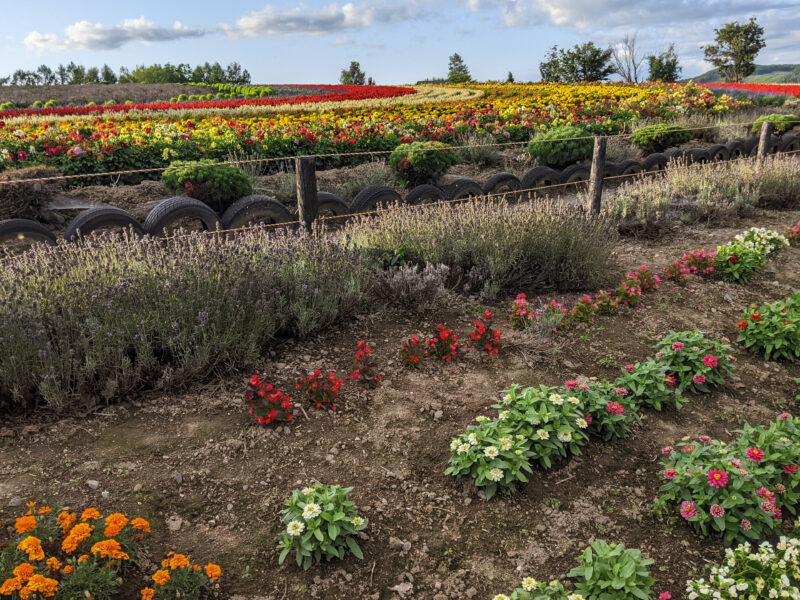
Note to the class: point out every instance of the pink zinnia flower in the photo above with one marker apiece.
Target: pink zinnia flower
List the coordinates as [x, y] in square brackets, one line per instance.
[670, 474]
[615, 408]
[699, 379]
[704, 438]
[688, 509]
[665, 596]
[755, 454]
[784, 416]
[780, 488]
[584, 386]
[688, 448]
[669, 380]
[717, 478]
[764, 493]
[736, 463]
[677, 346]
[571, 384]
[710, 360]
[588, 419]
[629, 368]
[716, 511]
[620, 391]
[667, 450]
[745, 524]
[791, 469]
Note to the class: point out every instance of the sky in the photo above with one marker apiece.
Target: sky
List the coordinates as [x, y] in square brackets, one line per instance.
[395, 41]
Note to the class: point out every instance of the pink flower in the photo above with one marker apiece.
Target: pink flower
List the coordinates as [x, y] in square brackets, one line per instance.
[780, 488]
[764, 493]
[670, 473]
[677, 346]
[669, 380]
[699, 379]
[588, 419]
[665, 596]
[571, 384]
[717, 478]
[791, 469]
[689, 448]
[745, 525]
[784, 416]
[736, 463]
[710, 361]
[615, 408]
[704, 438]
[629, 368]
[688, 509]
[755, 454]
[716, 510]
[620, 391]
[667, 450]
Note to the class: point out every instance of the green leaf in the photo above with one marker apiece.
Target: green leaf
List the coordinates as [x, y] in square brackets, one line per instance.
[353, 545]
[283, 556]
[333, 530]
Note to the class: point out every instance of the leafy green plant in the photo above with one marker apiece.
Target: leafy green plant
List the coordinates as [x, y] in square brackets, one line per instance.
[561, 146]
[607, 407]
[650, 384]
[657, 138]
[772, 329]
[321, 522]
[697, 363]
[612, 572]
[762, 240]
[219, 185]
[782, 123]
[738, 261]
[421, 162]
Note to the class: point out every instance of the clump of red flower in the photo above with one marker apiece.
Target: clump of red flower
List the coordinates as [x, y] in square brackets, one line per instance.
[483, 337]
[637, 283]
[696, 262]
[521, 313]
[444, 344]
[412, 353]
[584, 310]
[606, 303]
[365, 374]
[318, 389]
[266, 403]
[793, 234]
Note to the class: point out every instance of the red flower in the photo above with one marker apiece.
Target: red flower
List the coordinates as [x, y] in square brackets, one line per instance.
[741, 325]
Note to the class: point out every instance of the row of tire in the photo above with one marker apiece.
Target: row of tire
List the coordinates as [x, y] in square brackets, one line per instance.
[265, 209]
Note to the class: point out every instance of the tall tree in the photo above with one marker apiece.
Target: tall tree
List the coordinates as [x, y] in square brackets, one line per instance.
[352, 75]
[457, 71]
[735, 49]
[45, 75]
[626, 59]
[584, 62]
[23, 77]
[62, 75]
[92, 75]
[77, 73]
[664, 65]
[510, 78]
[107, 75]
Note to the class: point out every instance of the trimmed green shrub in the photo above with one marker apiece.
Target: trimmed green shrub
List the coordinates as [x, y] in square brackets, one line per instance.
[37, 104]
[50, 104]
[219, 186]
[782, 123]
[420, 162]
[565, 151]
[656, 138]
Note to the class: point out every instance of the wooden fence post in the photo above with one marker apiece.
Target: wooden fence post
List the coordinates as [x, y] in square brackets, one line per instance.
[596, 176]
[765, 138]
[307, 202]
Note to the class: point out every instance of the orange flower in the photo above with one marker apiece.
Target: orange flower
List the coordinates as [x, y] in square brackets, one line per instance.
[25, 593]
[83, 558]
[178, 561]
[161, 577]
[68, 570]
[741, 325]
[213, 571]
[90, 513]
[30, 504]
[24, 572]
[110, 548]
[195, 568]
[114, 524]
[79, 533]
[53, 563]
[66, 520]
[44, 510]
[148, 594]
[33, 547]
[141, 525]
[44, 585]
[25, 523]
[10, 586]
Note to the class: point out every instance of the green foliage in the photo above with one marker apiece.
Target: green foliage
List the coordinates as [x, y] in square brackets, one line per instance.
[735, 49]
[457, 71]
[664, 65]
[737, 262]
[686, 356]
[565, 151]
[656, 138]
[595, 397]
[773, 329]
[219, 186]
[420, 162]
[321, 522]
[611, 572]
[583, 62]
[648, 384]
[353, 75]
[782, 123]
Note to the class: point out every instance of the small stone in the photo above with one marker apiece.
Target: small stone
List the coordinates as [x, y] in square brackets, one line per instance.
[406, 546]
[229, 507]
[93, 483]
[174, 523]
[105, 495]
[137, 488]
[728, 297]
[403, 589]
[15, 501]
[471, 592]
[395, 543]
[467, 501]
[245, 487]
[437, 415]
[177, 477]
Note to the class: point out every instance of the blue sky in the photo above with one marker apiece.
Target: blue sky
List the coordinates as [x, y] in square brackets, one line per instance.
[395, 41]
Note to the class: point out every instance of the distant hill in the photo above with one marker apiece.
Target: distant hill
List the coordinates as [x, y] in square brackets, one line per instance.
[762, 74]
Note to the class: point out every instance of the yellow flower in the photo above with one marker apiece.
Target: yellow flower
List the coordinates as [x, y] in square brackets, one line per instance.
[178, 561]
[53, 563]
[66, 520]
[44, 585]
[148, 593]
[78, 534]
[109, 548]
[25, 523]
[141, 525]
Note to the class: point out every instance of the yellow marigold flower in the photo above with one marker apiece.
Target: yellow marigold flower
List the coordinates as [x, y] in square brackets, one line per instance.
[25, 523]
[90, 513]
[53, 563]
[110, 548]
[10, 586]
[114, 524]
[161, 577]
[67, 521]
[213, 571]
[68, 570]
[44, 585]
[178, 561]
[148, 594]
[33, 547]
[141, 525]
[79, 533]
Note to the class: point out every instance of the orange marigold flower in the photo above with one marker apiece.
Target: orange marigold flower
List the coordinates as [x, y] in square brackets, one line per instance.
[114, 524]
[44, 510]
[30, 504]
[24, 572]
[90, 513]
[44, 585]
[10, 586]
[109, 548]
[195, 568]
[83, 558]
[53, 563]
[79, 533]
[213, 571]
[33, 547]
[25, 523]
[25, 593]
[66, 520]
[141, 524]
[161, 577]
[68, 570]
[178, 561]
[148, 594]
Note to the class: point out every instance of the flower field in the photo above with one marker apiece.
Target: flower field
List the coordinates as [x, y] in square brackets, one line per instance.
[788, 89]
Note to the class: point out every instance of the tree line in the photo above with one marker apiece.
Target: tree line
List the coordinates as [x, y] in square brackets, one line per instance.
[72, 74]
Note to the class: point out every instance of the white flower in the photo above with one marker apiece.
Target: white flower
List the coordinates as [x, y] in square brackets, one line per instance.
[491, 452]
[308, 490]
[528, 584]
[453, 445]
[502, 415]
[507, 398]
[357, 521]
[481, 418]
[543, 435]
[506, 443]
[582, 423]
[501, 597]
[573, 400]
[556, 399]
[565, 436]
[472, 439]
[463, 448]
[311, 511]
[295, 528]
[534, 420]
[496, 474]
[574, 597]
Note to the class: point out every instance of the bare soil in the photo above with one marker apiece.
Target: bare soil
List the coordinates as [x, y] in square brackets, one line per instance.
[196, 456]
[25, 95]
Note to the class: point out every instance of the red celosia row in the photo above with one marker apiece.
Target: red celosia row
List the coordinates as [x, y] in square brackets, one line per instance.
[759, 88]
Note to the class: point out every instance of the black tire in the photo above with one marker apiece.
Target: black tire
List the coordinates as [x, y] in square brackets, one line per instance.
[774, 146]
[19, 230]
[540, 177]
[655, 162]
[330, 205]
[575, 174]
[750, 146]
[173, 209]
[790, 143]
[99, 218]
[674, 154]
[501, 182]
[462, 188]
[698, 155]
[424, 194]
[735, 149]
[373, 196]
[719, 153]
[255, 209]
[629, 167]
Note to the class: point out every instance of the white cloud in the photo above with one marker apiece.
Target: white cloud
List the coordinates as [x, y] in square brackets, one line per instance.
[84, 35]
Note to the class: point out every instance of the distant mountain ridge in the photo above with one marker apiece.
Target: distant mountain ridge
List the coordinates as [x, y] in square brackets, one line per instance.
[762, 74]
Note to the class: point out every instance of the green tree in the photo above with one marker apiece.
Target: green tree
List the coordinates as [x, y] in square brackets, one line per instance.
[664, 65]
[107, 75]
[510, 78]
[353, 75]
[457, 71]
[92, 75]
[62, 75]
[235, 75]
[45, 75]
[583, 62]
[735, 49]
[77, 73]
[198, 75]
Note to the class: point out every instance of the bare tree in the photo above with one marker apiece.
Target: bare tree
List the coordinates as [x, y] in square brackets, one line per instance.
[626, 59]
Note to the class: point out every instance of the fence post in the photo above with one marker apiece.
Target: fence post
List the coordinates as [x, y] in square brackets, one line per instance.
[596, 176]
[307, 202]
[765, 138]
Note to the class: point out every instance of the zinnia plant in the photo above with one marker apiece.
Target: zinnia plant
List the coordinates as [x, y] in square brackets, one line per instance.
[650, 384]
[772, 329]
[697, 363]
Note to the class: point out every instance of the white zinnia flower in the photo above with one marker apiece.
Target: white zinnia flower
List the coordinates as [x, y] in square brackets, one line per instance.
[556, 399]
[463, 448]
[491, 452]
[506, 443]
[311, 510]
[472, 439]
[357, 521]
[528, 584]
[295, 528]
[582, 423]
[573, 400]
[308, 490]
[496, 474]
[565, 436]
[543, 435]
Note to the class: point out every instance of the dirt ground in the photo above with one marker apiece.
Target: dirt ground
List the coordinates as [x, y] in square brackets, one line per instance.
[195, 459]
